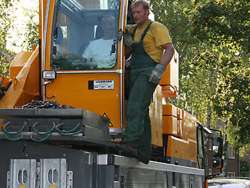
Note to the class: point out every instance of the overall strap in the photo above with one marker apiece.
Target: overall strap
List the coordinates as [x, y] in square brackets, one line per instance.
[146, 30]
[144, 33]
[133, 34]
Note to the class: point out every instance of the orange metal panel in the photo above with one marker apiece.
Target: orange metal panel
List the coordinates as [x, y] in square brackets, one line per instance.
[169, 91]
[179, 128]
[172, 118]
[179, 113]
[42, 6]
[49, 33]
[25, 86]
[73, 90]
[170, 78]
[155, 113]
[169, 110]
[170, 125]
[181, 149]
[18, 63]
[189, 126]
[179, 123]
[5, 82]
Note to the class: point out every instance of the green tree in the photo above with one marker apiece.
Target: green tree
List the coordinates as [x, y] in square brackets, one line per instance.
[197, 61]
[212, 38]
[32, 30]
[7, 7]
[226, 25]
[5, 21]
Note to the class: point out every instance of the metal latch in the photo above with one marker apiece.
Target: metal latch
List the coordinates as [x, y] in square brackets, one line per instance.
[43, 173]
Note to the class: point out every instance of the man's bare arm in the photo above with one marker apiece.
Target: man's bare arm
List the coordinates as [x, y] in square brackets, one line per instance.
[167, 54]
[159, 69]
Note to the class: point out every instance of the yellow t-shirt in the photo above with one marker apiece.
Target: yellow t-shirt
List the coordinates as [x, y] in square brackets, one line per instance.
[156, 36]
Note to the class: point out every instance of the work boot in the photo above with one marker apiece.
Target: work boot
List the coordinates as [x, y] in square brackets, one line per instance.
[127, 150]
[141, 157]
[130, 150]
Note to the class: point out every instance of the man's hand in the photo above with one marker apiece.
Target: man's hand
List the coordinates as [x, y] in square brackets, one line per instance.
[156, 74]
[127, 38]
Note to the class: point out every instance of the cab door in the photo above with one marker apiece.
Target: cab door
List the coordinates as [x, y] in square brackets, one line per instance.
[83, 61]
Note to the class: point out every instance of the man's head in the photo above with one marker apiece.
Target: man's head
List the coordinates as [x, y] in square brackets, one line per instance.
[108, 26]
[140, 11]
[108, 22]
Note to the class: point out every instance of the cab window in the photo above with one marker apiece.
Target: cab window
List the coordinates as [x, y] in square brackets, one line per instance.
[84, 34]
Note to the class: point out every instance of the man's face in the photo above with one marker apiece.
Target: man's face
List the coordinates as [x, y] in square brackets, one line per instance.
[108, 23]
[140, 15]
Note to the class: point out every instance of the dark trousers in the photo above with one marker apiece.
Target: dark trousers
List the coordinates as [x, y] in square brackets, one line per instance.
[138, 130]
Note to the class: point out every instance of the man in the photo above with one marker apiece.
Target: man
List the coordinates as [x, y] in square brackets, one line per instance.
[151, 49]
[99, 51]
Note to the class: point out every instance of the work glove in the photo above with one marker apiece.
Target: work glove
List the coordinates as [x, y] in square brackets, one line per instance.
[156, 74]
[127, 38]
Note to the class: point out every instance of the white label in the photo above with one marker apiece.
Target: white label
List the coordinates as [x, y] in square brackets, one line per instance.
[104, 84]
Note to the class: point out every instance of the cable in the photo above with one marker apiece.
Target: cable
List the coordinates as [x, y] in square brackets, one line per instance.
[41, 136]
[75, 130]
[13, 135]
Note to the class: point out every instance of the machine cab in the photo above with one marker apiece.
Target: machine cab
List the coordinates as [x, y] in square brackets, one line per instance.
[82, 59]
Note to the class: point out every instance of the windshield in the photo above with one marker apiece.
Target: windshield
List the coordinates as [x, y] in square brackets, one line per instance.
[84, 34]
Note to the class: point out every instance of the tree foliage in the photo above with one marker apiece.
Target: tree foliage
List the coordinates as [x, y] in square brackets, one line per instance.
[32, 34]
[5, 22]
[8, 27]
[226, 25]
[212, 38]
[23, 33]
[224, 20]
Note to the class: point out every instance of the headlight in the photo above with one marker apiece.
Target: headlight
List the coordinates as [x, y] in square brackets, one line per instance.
[50, 75]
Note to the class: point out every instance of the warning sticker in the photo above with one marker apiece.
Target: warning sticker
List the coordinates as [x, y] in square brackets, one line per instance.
[103, 84]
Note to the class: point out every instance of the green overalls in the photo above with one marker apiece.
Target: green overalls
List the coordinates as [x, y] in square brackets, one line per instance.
[138, 131]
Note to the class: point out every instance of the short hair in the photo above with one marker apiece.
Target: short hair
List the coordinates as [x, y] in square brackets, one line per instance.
[144, 4]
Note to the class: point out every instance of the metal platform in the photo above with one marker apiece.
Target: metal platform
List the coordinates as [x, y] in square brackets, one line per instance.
[110, 159]
[22, 160]
[40, 125]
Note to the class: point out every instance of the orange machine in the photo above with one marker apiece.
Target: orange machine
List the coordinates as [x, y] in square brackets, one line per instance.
[61, 70]
[57, 71]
